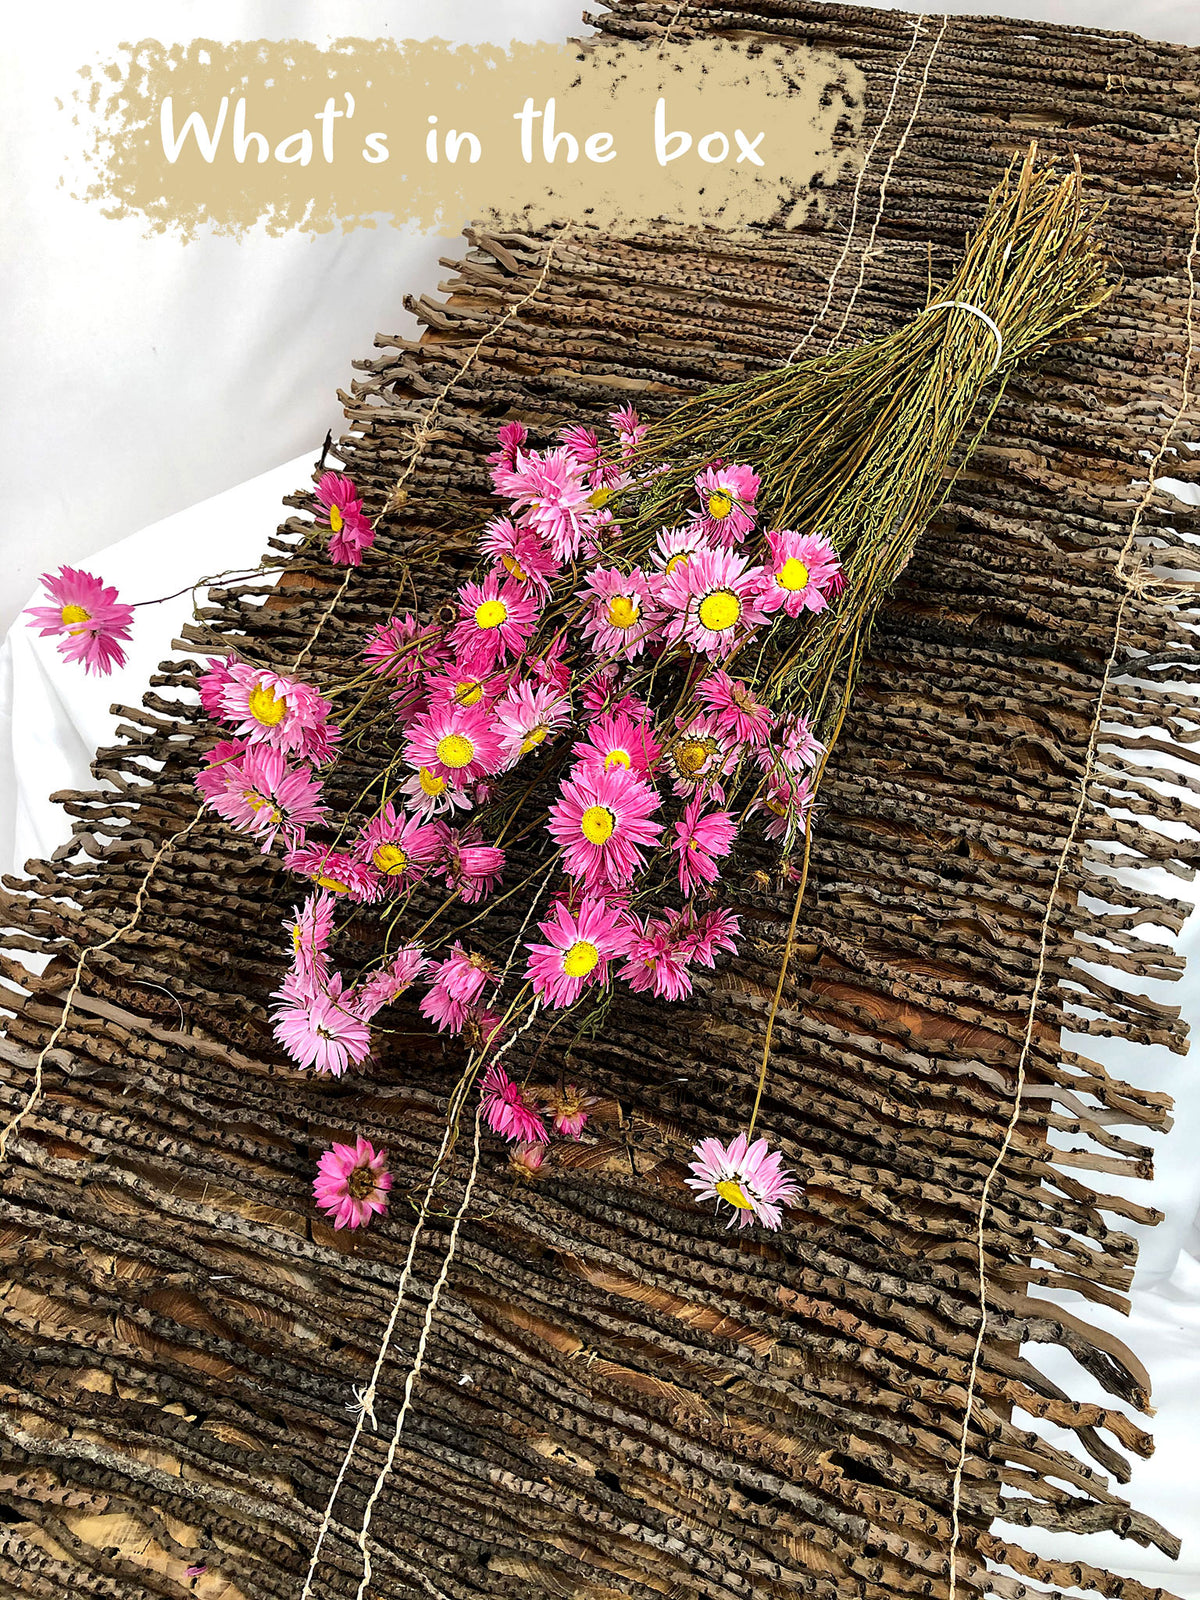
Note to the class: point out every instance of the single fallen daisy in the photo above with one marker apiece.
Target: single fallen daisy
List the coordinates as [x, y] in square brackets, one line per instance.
[87, 615]
[749, 1178]
[352, 1183]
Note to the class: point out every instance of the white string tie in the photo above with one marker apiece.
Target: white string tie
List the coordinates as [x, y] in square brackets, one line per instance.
[965, 305]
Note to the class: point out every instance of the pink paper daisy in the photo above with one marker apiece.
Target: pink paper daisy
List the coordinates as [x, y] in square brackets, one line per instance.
[507, 1111]
[551, 490]
[674, 548]
[622, 617]
[602, 821]
[699, 841]
[700, 755]
[550, 668]
[583, 443]
[281, 712]
[352, 1183]
[727, 496]
[495, 622]
[89, 617]
[737, 709]
[323, 1030]
[511, 438]
[464, 975]
[788, 801]
[628, 427]
[521, 555]
[800, 574]
[792, 748]
[455, 743]
[526, 716]
[712, 601]
[310, 927]
[579, 946]
[253, 788]
[752, 1182]
[525, 1160]
[399, 846]
[350, 532]
[704, 937]
[335, 870]
[400, 646]
[466, 864]
[568, 1110]
[386, 986]
[619, 740]
[657, 961]
[212, 686]
[430, 795]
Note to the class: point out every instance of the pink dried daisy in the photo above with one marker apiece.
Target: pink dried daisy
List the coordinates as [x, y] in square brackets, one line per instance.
[727, 496]
[87, 614]
[511, 438]
[700, 755]
[521, 555]
[712, 602]
[788, 801]
[430, 795]
[400, 646]
[464, 975]
[384, 988]
[628, 427]
[456, 743]
[352, 1183]
[255, 790]
[496, 621]
[602, 821]
[619, 740]
[657, 961]
[322, 1030]
[400, 847]
[583, 443]
[737, 709]
[310, 927]
[466, 864]
[699, 841]
[622, 616]
[749, 1178]
[212, 686]
[674, 548]
[793, 747]
[550, 668]
[350, 532]
[800, 574]
[568, 1110]
[525, 1160]
[335, 870]
[528, 715]
[551, 490]
[508, 1111]
[705, 937]
[281, 712]
[579, 946]
[460, 685]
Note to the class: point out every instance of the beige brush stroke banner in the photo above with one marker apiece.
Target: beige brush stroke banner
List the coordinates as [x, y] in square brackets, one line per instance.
[205, 136]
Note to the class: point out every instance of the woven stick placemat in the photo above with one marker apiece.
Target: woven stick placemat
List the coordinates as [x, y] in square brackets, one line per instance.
[584, 1386]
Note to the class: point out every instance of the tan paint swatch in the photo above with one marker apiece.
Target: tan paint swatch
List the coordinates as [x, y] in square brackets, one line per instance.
[202, 135]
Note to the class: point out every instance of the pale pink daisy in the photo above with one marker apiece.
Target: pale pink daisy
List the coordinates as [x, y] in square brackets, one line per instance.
[430, 795]
[87, 614]
[699, 841]
[212, 686]
[749, 1178]
[310, 927]
[507, 1109]
[352, 1183]
[579, 946]
[704, 937]
[520, 553]
[400, 645]
[526, 1159]
[657, 961]
[399, 846]
[526, 716]
[619, 740]
[384, 988]
[253, 788]
[602, 821]
[496, 621]
[628, 427]
[335, 870]
[511, 438]
[459, 684]
[792, 748]
[737, 709]
[700, 755]
[727, 496]
[788, 801]
[622, 616]
[466, 864]
[674, 548]
[281, 712]
[568, 1110]
[800, 574]
[456, 743]
[712, 601]
[550, 487]
[464, 975]
[322, 1030]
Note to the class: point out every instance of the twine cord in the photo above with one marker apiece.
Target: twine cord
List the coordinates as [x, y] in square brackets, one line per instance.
[1129, 582]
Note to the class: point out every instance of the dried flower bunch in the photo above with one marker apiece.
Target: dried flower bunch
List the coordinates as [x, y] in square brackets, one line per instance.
[645, 670]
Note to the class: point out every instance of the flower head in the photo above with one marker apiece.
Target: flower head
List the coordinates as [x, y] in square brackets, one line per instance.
[674, 548]
[466, 863]
[495, 622]
[619, 740]
[520, 554]
[350, 532]
[727, 496]
[628, 427]
[254, 789]
[281, 712]
[430, 795]
[657, 960]
[551, 489]
[747, 1177]
[801, 573]
[712, 601]
[704, 937]
[622, 616]
[398, 846]
[735, 706]
[335, 870]
[455, 743]
[352, 1183]
[310, 927]
[568, 1109]
[699, 841]
[788, 801]
[384, 988]
[212, 685]
[700, 755]
[322, 1030]
[528, 715]
[791, 748]
[511, 437]
[602, 820]
[578, 947]
[86, 613]
[507, 1111]
[525, 1160]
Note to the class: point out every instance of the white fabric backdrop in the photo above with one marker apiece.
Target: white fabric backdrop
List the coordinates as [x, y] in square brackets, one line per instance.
[142, 376]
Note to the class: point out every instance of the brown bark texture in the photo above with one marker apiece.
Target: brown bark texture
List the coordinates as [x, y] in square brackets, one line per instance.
[618, 1397]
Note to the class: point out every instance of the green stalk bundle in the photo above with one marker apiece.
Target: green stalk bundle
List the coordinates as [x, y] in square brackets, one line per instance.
[863, 444]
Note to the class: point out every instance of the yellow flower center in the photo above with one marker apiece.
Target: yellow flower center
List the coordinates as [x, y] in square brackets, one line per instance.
[777, 807]
[295, 936]
[361, 1184]
[618, 758]
[514, 567]
[720, 610]
[692, 754]
[679, 559]
[266, 706]
[534, 737]
[455, 750]
[430, 782]
[259, 802]
[580, 959]
[792, 575]
[732, 1192]
[491, 614]
[720, 505]
[597, 824]
[467, 692]
[335, 885]
[336, 521]
[390, 859]
[599, 498]
[74, 614]
[623, 610]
